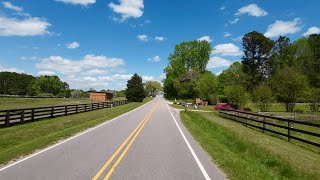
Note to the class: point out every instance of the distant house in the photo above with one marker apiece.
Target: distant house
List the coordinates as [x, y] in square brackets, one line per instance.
[101, 96]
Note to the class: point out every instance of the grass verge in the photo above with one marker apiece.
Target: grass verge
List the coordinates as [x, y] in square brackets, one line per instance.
[24, 139]
[243, 153]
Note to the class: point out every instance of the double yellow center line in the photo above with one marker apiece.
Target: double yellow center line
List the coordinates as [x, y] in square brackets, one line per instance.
[134, 134]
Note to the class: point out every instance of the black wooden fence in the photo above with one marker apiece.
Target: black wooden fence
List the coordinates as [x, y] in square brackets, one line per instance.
[19, 116]
[280, 126]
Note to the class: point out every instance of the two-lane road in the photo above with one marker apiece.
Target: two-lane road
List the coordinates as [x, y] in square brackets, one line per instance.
[147, 143]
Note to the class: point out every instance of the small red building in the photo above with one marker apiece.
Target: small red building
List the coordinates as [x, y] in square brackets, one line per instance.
[101, 96]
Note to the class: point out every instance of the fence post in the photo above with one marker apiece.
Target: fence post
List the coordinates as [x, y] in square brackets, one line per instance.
[22, 117]
[91, 106]
[32, 114]
[263, 123]
[76, 108]
[7, 122]
[85, 107]
[52, 109]
[289, 132]
[65, 110]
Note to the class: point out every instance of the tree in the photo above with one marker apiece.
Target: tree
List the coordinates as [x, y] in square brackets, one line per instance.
[256, 48]
[151, 87]
[207, 87]
[263, 95]
[135, 91]
[288, 86]
[49, 85]
[237, 95]
[14, 83]
[280, 54]
[314, 63]
[121, 93]
[314, 99]
[186, 65]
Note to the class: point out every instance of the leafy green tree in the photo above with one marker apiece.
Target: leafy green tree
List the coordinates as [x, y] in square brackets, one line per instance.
[14, 83]
[186, 65]
[121, 93]
[288, 86]
[280, 54]
[45, 85]
[313, 69]
[313, 96]
[237, 95]
[207, 87]
[135, 90]
[262, 95]
[256, 48]
[232, 75]
[152, 86]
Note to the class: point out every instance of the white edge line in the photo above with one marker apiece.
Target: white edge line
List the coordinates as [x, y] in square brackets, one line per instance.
[204, 172]
[73, 137]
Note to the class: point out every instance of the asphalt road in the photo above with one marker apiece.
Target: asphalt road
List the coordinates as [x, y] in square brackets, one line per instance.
[159, 147]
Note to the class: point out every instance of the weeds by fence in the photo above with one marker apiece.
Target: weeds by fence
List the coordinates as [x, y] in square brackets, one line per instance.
[302, 131]
[19, 116]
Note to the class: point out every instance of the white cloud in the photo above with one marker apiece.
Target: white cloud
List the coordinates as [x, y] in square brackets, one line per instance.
[160, 38]
[31, 26]
[226, 34]
[128, 8]
[96, 72]
[48, 73]
[252, 10]
[280, 28]
[147, 78]
[216, 62]
[154, 59]
[6, 69]
[205, 38]
[8, 5]
[73, 45]
[67, 66]
[222, 8]
[312, 30]
[143, 37]
[33, 58]
[227, 50]
[78, 2]
[235, 21]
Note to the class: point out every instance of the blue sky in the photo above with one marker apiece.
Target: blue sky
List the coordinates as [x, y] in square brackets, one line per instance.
[101, 43]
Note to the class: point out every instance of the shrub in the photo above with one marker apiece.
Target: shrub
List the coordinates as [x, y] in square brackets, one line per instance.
[263, 96]
[223, 106]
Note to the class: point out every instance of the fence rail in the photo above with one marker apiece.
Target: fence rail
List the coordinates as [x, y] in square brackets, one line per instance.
[19, 116]
[279, 126]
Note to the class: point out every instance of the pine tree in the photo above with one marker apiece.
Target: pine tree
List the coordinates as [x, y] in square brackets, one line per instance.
[135, 91]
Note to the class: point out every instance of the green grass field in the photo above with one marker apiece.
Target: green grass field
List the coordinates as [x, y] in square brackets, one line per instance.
[24, 139]
[14, 103]
[244, 153]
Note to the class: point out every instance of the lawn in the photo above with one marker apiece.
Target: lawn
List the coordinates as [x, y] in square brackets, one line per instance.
[244, 153]
[24, 139]
[14, 103]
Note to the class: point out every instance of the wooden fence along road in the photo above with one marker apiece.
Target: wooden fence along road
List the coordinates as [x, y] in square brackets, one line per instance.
[280, 126]
[19, 116]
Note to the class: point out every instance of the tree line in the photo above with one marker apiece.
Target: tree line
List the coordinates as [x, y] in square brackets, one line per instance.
[13, 83]
[281, 70]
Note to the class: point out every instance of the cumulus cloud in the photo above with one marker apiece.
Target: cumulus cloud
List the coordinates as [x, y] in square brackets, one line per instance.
[281, 28]
[147, 78]
[73, 45]
[235, 21]
[160, 38]
[78, 2]
[154, 59]
[143, 37]
[252, 10]
[128, 8]
[228, 49]
[6, 69]
[312, 30]
[96, 72]
[67, 66]
[31, 26]
[216, 62]
[48, 73]
[205, 38]
[9, 5]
